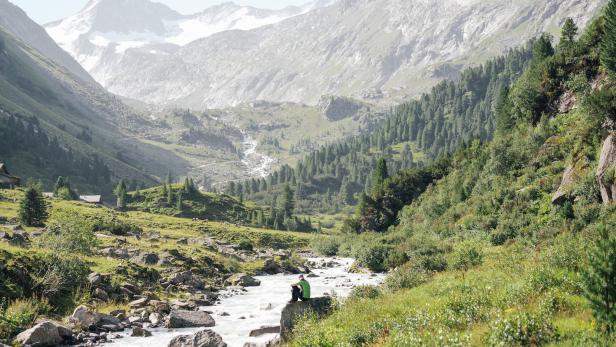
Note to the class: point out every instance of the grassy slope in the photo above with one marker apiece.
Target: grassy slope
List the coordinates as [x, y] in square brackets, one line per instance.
[168, 228]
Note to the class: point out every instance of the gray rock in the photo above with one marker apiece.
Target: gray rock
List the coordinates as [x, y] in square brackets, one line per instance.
[570, 176]
[204, 338]
[95, 279]
[100, 294]
[138, 303]
[264, 330]
[41, 335]
[294, 311]
[189, 319]
[147, 258]
[242, 279]
[155, 318]
[140, 332]
[180, 277]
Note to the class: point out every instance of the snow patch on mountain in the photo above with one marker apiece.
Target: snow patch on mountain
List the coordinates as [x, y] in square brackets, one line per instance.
[88, 36]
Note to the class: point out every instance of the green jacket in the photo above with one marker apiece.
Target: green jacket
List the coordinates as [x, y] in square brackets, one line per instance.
[305, 286]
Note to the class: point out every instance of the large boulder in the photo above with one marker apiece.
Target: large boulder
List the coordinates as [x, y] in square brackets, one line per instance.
[204, 338]
[606, 176]
[189, 319]
[41, 335]
[85, 319]
[264, 330]
[146, 258]
[242, 279]
[294, 311]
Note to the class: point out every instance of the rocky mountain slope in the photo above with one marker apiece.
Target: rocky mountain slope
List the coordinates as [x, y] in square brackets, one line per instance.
[100, 34]
[377, 50]
[16, 22]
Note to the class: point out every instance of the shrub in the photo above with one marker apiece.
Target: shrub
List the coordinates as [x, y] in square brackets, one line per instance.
[365, 292]
[408, 276]
[69, 234]
[245, 245]
[467, 255]
[521, 329]
[372, 256]
[327, 246]
[58, 277]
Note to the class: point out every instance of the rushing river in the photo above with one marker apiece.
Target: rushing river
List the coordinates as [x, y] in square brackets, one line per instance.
[261, 306]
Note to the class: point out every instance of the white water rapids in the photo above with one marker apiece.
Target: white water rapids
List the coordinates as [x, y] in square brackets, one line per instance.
[258, 164]
[261, 306]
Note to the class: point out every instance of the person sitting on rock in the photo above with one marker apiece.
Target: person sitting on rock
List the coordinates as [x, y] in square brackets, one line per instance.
[300, 290]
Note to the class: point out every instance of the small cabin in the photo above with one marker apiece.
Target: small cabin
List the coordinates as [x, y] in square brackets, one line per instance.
[92, 199]
[8, 181]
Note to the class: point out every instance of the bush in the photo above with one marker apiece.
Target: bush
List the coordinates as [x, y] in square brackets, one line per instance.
[408, 276]
[245, 245]
[327, 246]
[521, 329]
[58, 278]
[372, 256]
[365, 292]
[69, 234]
[467, 255]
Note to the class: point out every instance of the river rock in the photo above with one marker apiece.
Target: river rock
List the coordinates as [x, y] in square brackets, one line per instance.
[41, 335]
[204, 338]
[265, 330]
[294, 311]
[140, 332]
[85, 319]
[189, 319]
[242, 279]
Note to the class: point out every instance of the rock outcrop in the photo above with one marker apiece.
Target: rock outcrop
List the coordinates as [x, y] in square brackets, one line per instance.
[85, 319]
[569, 178]
[337, 108]
[204, 338]
[189, 319]
[293, 311]
[606, 176]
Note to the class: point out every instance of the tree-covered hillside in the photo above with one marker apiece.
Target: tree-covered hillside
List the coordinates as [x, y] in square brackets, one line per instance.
[413, 134]
[514, 245]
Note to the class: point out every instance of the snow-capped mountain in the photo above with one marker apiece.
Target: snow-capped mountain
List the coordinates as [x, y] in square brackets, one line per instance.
[377, 50]
[104, 30]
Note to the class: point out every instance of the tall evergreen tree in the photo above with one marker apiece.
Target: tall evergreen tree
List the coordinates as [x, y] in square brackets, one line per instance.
[608, 43]
[600, 279]
[33, 208]
[287, 205]
[378, 177]
[568, 33]
[543, 48]
[121, 194]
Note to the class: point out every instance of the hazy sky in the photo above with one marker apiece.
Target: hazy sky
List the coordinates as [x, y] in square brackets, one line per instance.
[45, 11]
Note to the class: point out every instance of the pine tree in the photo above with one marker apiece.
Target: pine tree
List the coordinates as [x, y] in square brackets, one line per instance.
[608, 43]
[600, 279]
[121, 195]
[180, 203]
[170, 195]
[543, 48]
[378, 177]
[33, 208]
[286, 203]
[568, 33]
